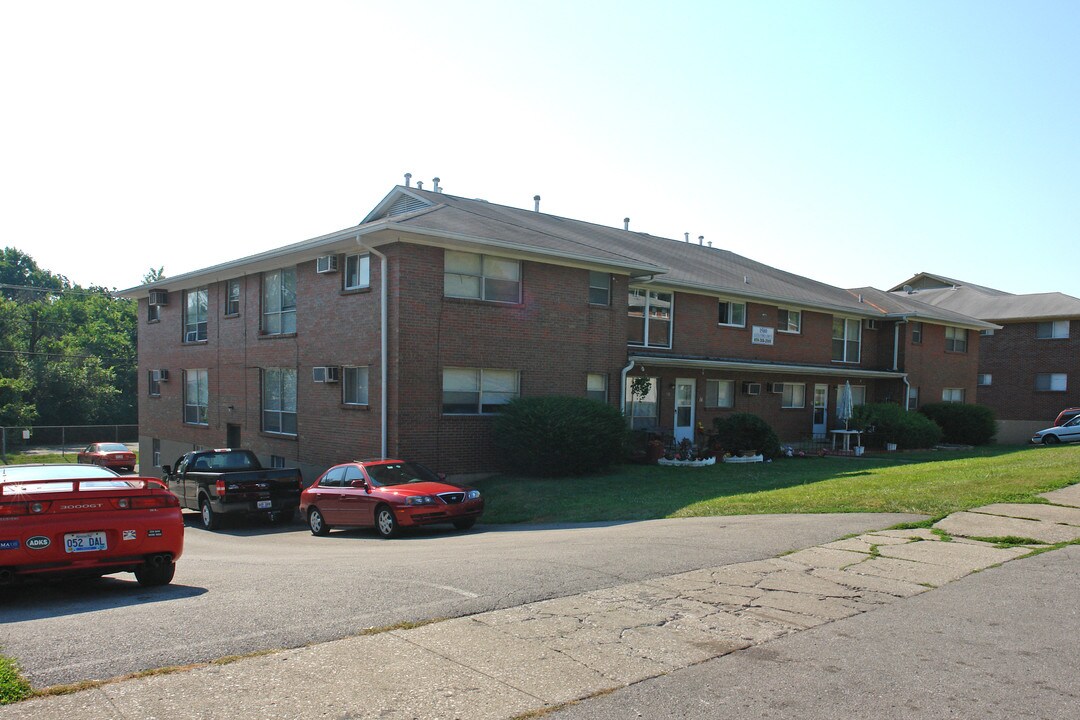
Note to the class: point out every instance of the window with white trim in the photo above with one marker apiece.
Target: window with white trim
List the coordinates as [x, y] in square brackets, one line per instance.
[985, 379]
[354, 385]
[1053, 330]
[650, 313]
[195, 309]
[913, 398]
[858, 395]
[481, 277]
[232, 297]
[196, 397]
[357, 271]
[1051, 382]
[155, 452]
[599, 288]
[279, 302]
[475, 391]
[916, 332]
[794, 395]
[154, 380]
[955, 339]
[846, 339]
[788, 321]
[153, 313]
[952, 395]
[732, 313]
[279, 400]
[643, 410]
[596, 387]
[719, 393]
[277, 461]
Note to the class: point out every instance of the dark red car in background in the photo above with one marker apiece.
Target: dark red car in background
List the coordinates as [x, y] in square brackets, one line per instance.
[387, 495]
[80, 521]
[111, 455]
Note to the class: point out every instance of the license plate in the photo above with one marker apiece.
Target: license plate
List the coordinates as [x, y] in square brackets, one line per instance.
[264, 504]
[85, 542]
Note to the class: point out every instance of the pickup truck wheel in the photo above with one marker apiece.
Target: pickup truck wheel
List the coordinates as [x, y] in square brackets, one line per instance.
[210, 519]
[385, 522]
[151, 575]
[316, 522]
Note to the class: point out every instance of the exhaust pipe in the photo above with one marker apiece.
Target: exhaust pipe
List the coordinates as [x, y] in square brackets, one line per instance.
[158, 560]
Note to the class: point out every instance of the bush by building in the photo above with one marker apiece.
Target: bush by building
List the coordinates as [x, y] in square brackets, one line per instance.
[891, 424]
[746, 433]
[962, 424]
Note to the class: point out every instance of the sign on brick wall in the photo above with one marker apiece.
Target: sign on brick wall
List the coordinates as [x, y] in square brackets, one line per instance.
[762, 335]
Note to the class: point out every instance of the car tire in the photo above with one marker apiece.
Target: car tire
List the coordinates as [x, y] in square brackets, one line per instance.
[210, 519]
[151, 575]
[317, 523]
[1051, 439]
[465, 524]
[385, 522]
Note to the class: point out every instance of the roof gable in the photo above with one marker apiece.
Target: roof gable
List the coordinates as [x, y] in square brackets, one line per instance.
[399, 201]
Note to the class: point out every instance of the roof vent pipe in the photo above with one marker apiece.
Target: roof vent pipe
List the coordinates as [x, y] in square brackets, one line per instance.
[686, 237]
[700, 239]
[626, 223]
[536, 200]
[437, 189]
[710, 243]
[419, 184]
[860, 297]
[746, 279]
[408, 179]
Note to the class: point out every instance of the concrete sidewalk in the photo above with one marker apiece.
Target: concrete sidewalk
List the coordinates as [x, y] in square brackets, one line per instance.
[505, 663]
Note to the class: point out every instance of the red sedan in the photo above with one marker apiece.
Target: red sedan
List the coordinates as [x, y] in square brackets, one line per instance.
[110, 455]
[387, 495]
[71, 520]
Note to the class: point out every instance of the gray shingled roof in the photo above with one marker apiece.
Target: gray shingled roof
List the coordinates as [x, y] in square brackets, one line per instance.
[910, 305]
[999, 308]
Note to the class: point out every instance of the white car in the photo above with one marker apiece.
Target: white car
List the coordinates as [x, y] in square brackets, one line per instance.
[1069, 432]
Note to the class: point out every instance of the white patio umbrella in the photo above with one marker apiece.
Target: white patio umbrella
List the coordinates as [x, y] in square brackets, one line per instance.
[846, 406]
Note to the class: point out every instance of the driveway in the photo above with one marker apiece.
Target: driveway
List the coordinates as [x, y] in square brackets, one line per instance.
[255, 587]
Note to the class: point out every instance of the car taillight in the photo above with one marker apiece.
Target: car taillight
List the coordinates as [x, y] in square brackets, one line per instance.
[220, 487]
[154, 501]
[23, 508]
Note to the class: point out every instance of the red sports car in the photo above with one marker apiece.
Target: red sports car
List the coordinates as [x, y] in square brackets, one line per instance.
[110, 455]
[73, 520]
[387, 495]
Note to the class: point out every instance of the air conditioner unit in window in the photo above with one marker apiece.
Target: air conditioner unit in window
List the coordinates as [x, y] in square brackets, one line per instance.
[191, 336]
[777, 388]
[160, 375]
[751, 388]
[326, 374]
[326, 264]
[159, 297]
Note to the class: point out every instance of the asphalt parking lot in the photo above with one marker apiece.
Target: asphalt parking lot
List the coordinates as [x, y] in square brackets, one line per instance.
[254, 587]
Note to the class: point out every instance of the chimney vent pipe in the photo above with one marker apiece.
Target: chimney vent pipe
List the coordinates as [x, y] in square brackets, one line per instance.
[419, 184]
[536, 201]
[437, 189]
[408, 179]
[626, 223]
[686, 237]
[700, 239]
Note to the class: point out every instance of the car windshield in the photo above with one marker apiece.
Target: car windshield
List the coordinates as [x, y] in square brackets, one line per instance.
[400, 474]
[112, 447]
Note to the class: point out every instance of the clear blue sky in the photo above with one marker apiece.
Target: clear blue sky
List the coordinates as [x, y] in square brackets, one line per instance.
[856, 143]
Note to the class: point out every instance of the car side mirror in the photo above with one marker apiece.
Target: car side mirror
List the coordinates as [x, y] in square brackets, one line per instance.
[359, 484]
[166, 469]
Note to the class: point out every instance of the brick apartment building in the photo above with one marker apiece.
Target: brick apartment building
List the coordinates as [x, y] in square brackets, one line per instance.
[1029, 367]
[402, 336]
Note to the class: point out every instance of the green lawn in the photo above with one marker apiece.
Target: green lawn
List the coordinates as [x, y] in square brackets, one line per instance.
[24, 458]
[933, 483]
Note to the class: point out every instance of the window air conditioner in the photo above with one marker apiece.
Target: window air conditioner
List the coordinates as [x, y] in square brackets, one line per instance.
[326, 374]
[159, 297]
[751, 388]
[191, 336]
[776, 387]
[326, 264]
[160, 375]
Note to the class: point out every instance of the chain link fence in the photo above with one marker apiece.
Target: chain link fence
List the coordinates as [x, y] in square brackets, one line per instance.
[63, 439]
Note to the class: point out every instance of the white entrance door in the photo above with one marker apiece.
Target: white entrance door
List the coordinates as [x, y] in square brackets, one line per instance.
[821, 411]
[684, 409]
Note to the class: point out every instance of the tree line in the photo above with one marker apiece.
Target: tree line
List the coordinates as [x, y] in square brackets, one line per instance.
[68, 354]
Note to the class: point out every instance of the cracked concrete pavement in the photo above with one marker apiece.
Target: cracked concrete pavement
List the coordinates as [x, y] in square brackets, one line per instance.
[504, 663]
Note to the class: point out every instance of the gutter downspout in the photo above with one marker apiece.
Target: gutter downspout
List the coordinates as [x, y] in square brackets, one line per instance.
[382, 344]
[896, 360]
[622, 390]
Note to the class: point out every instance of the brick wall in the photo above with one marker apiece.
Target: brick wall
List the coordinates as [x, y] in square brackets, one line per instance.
[1013, 356]
[931, 368]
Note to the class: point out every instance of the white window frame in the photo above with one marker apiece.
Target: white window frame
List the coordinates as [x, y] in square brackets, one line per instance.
[794, 396]
[354, 385]
[596, 385]
[154, 389]
[153, 313]
[1051, 382]
[357, 274]
[643, 413]
[155, 452]
[984, 380]
[916, 332]
[474, 276]
[599, 285]
[731, 313]
[491, 387]
[784, 321]
[279, 308]
[953, 395]
[279, 416]
[196, 396]
[232, 304]
[713, 396]
[847, 324]
[196, 309]
[913, 398]
[1052, 330]
[651, 311]
[956, 339]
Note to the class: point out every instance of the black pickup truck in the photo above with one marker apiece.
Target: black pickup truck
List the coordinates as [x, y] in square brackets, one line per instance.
[232, 482]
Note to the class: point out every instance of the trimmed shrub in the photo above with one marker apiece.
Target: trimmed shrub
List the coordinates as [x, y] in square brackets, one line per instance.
[963, 424]
[556, 436]
[746, 433]
[892, 425]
